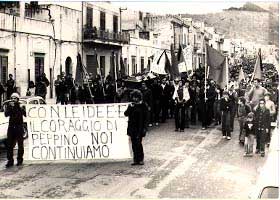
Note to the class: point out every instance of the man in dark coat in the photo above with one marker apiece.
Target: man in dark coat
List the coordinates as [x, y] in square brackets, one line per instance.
[148, 100]
[262, 125]
[15, 130]
[63, 91]
[156, 101]
[110, 90]
[164, 97]
[2, 91]
[41, 88]
[10, 86]
[226, 107]
[137, 125]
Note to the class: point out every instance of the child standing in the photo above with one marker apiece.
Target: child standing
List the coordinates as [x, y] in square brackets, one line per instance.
[249, 128]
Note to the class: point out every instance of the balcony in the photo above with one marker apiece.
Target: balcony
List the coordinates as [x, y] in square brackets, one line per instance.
[92, 33]
[11, 8]
[38, 12]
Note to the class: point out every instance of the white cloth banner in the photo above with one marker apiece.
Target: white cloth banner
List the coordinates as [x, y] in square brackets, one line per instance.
[186, 66]
[77, 132]
[158, 67]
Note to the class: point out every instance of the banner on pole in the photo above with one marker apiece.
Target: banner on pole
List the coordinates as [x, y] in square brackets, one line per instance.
[77, 132]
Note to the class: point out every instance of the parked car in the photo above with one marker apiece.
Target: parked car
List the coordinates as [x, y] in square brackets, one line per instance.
[4, 121]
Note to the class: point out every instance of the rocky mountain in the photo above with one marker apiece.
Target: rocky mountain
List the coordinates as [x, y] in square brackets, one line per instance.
[257, 22]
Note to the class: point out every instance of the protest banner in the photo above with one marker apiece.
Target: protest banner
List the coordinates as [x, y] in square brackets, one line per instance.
[77, 132]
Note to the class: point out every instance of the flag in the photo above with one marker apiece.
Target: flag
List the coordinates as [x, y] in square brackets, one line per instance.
[174, 63]
[217, 66]
[257, 74]
[122, 67]
[79, 70]
[167, 66]
[112, 71]
[184, 58]
[158, 63]
[241, 75]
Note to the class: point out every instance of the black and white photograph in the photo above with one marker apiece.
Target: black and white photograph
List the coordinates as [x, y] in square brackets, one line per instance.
[139, 99]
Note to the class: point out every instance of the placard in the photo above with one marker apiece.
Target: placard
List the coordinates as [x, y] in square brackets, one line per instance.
[77, 132]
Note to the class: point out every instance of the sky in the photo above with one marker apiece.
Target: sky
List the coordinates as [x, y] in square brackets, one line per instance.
[179, 7]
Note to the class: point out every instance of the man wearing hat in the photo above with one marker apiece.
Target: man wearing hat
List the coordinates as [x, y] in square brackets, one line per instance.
[15, 130]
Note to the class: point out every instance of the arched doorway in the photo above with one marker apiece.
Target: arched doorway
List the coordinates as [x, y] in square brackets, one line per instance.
[68, 66]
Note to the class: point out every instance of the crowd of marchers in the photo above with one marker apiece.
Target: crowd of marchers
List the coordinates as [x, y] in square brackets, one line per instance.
[189, 99]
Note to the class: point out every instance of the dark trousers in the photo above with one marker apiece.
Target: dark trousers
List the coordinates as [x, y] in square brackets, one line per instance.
[187, 116]
[137, 148]
[193, 114]
[15, 135]
[260, 137]
[63, 99]
[171, 108]
[180, 116]
[156, 107]
[217, 111]
[226, 123]
[232, 115]
[164, 110]
[210, 112]
[203, 113]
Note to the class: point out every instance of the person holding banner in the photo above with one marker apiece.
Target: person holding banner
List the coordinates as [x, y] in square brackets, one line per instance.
[137, 125]
[15, 130]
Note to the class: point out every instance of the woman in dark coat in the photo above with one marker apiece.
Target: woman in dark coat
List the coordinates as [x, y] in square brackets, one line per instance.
[137, 125]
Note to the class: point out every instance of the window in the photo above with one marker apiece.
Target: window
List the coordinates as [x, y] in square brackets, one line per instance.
[115, 24]
[102, 65]
[102, 21]
[142, 64]
[3, 69]
[133, 63]
[89, 17]
[39, 64]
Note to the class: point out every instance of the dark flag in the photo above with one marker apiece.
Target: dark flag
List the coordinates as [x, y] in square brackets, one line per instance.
[174, 63]
[122, 67]
[217, 66]
[112, 67]
[79, 70]
[167, 66]
[257, 74]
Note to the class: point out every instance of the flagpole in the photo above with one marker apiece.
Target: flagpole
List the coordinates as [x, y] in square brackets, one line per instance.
[100, 73]
[227, 72]
[115, 72]
[205, 71]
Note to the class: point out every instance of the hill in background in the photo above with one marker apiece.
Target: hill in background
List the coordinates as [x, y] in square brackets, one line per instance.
[256, 22]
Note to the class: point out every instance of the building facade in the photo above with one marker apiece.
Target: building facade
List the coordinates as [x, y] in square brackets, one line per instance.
[102, 36]
[36, 39]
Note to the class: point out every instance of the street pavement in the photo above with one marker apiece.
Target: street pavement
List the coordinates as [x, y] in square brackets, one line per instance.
[192, 164]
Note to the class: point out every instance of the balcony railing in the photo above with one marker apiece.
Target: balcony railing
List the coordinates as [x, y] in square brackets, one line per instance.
[92, 33]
